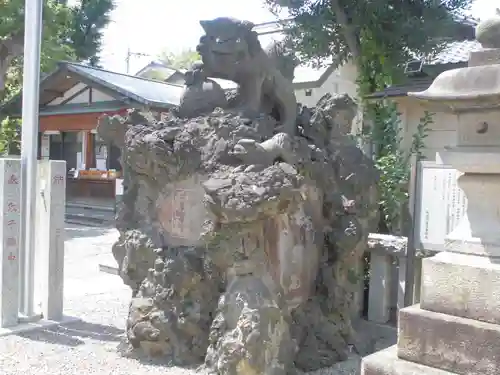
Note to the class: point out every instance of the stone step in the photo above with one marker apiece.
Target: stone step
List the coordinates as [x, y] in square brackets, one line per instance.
[386, 362]
[450, 343]
[461, 285]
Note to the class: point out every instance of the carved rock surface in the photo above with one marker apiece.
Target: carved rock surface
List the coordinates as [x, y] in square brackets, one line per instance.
[242, 245]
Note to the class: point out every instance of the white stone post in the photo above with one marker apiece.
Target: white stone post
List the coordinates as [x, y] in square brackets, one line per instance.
[380, 288]
[10, 200]
[51, 204]
[401, 282]
[118, 191]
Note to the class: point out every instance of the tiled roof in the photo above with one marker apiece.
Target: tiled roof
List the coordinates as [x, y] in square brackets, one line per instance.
[149, 92]
[122, 87]
[454, 52]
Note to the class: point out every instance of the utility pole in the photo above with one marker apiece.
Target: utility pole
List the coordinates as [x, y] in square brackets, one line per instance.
[135, 54]
[29, 147]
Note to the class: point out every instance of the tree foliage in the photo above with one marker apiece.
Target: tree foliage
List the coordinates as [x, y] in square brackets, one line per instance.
[70, 32]
[182, 60]
[394, 164]
[88, 21]
[377, 36]
[392, 30]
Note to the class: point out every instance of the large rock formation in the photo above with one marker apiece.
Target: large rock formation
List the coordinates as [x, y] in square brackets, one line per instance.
[242, 244]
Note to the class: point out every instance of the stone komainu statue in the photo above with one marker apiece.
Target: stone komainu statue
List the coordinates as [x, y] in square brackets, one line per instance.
[231, 50]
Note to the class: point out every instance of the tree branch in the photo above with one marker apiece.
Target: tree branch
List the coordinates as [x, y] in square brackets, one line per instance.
[10, 49]
[348, 30]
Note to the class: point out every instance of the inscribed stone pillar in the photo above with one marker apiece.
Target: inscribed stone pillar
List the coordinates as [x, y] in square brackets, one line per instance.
[379, 290]
[10, 201]
[50, 237]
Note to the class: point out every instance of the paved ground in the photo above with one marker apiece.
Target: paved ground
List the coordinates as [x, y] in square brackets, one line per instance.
[101, 301]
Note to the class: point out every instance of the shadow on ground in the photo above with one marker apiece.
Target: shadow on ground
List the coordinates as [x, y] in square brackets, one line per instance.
[73, 334]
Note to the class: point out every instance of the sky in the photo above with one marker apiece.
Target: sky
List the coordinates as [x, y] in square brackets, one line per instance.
[151, 26]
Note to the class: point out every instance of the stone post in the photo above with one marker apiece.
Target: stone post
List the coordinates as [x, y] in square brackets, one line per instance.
[456, 328]
[118, 192]
[10, 200]
[379, 290]
[50, 235]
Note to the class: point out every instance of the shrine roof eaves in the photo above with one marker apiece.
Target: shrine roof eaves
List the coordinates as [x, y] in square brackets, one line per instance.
[129, 89]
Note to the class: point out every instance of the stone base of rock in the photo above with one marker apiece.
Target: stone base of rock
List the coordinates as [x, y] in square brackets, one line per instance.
[226, 251]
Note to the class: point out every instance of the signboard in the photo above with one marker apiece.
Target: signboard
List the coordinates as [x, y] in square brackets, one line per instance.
[440, 205]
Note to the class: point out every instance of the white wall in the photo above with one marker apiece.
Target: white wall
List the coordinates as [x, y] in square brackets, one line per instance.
[342, 80]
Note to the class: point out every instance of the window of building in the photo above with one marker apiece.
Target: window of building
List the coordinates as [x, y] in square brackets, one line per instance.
[56, 147]
[71, 146]
[309, 92]
[114, 158]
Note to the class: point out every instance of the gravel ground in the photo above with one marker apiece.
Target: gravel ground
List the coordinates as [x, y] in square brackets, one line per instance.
[100, 300]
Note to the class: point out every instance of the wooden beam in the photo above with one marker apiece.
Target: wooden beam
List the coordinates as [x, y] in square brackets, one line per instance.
[89, 151]
[59, 93]
[74, 122]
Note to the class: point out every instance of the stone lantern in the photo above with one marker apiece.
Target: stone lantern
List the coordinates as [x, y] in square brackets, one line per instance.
[456, 327]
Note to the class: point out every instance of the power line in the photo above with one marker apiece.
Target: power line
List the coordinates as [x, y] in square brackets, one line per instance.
[135, 54]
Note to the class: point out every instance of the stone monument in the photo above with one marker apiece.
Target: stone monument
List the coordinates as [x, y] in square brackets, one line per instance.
[456, 328]
[50, 210]
[241, 232]
[10, 201]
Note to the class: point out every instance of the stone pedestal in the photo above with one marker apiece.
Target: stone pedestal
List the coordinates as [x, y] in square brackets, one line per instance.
[49, 272]
[456, 328]
[10, 201]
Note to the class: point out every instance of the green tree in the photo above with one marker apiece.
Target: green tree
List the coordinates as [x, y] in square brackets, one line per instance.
[69, 33]
[88, 21]
[182, 60]
[55, 23]
[380, 33]
[378, 36]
